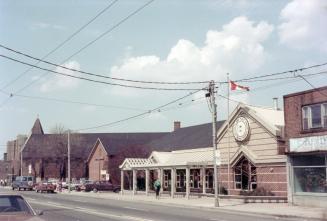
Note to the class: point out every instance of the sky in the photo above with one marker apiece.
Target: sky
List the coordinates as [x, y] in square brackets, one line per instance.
[166, 41]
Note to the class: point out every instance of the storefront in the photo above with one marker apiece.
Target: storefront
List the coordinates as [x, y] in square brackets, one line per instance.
[308, 171]
[306, 136]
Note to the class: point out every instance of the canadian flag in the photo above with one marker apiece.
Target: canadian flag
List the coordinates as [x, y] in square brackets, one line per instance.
[234, 86]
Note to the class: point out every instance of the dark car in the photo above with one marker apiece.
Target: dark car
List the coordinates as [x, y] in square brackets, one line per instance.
[45, 186]
[15, 207]
[23, 183]
[100, 186]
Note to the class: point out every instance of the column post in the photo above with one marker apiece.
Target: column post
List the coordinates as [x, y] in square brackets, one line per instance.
[203, 169]
[147, 182]
[122, 182]
[173, 178]
[187, 182]
[134, 182]
[161, 179]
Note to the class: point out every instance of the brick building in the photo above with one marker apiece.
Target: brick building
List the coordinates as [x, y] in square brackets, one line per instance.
[110, 150]
[251, 150]
[4, 168]
[14, 156]
[45, 155]
[306, 136]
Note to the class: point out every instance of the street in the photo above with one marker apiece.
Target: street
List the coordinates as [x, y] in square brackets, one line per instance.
[79, 208]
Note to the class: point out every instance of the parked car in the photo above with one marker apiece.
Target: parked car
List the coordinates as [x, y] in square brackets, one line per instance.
[77, 186]
[23, 182]
[15, 207]
[45, 186]
[100, 186]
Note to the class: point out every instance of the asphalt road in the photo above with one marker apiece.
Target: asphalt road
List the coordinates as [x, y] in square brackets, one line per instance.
[58, 207]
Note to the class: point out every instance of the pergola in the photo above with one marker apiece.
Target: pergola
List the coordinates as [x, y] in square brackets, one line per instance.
[180, 172]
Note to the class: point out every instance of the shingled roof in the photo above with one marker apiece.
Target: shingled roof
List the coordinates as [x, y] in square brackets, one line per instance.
[197, 136]
[50, 145]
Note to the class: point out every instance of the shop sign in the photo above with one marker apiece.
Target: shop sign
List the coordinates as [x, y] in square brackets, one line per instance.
[306, 144]
[103, 172]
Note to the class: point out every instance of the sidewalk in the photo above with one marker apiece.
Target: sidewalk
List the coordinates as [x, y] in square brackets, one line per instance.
[226, 205]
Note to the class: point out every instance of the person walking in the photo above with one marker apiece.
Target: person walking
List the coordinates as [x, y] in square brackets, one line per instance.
[157, 186]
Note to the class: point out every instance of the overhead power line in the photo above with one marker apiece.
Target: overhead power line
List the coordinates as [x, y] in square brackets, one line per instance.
[281, 73]
[76, 102]
[99, 75]
[139, 115]
[97, 81]
[112, 28]
[63, 42]
[316, 89]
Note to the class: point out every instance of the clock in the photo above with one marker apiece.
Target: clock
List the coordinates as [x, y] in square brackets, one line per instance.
[241, 129]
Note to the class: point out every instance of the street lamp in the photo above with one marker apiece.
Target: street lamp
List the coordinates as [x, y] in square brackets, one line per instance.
[99, 159]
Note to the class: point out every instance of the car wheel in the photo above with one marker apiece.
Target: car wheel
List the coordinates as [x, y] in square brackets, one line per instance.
[95, 190]
[18, 188]
[13, 188]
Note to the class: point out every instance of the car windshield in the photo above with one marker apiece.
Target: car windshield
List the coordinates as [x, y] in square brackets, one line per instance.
[13, 204]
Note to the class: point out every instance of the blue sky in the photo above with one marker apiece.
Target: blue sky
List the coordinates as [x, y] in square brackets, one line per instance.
[166, 41]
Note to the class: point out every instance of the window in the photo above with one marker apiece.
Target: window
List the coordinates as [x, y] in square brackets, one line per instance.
[245, 175]
[314, 116]
[310, 173]
[180, 179]
[195, 179]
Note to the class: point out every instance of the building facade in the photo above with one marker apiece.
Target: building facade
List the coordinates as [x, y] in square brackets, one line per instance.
[306, 136]
[251, 150]
[250, 156]
[45, 156]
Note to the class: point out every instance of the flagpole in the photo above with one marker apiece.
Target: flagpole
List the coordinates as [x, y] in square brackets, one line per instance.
[228, 133]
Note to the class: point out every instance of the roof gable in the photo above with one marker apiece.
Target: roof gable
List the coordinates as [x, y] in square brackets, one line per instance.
[95, 146]
[37, 127]
[271, 120]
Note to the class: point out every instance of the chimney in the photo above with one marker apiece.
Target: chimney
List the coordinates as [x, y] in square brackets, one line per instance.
[275, 100]
[177, 125]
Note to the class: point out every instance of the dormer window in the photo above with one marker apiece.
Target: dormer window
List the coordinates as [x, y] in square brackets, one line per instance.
[314, 116]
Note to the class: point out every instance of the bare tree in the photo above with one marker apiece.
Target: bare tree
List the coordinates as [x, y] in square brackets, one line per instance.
[58, 129]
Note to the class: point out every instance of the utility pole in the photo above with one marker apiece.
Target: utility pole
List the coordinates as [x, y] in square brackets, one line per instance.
[214, 138]
[68, 147]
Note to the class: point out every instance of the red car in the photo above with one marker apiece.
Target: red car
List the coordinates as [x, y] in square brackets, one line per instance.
[100, 186]
[45, 187]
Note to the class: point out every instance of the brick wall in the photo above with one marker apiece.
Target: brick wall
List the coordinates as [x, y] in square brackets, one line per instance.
[51, 168]
[293, 104]
[272, 178]
[95, 165]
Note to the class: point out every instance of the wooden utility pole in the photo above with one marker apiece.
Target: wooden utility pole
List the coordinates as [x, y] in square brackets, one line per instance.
[214, 139]
[68, 147]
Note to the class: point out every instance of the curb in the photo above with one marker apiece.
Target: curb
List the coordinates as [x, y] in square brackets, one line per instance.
[221, 209]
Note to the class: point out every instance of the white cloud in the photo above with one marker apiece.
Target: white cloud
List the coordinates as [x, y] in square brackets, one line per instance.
[59, 82]
[237, 48]
[304, 24]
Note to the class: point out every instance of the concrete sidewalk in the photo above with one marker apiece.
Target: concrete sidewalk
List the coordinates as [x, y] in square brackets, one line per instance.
[226, 205]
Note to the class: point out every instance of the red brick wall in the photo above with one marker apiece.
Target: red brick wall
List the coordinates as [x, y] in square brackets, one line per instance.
[52, 168]
[293, 112]
[272, 178]
[94, 165]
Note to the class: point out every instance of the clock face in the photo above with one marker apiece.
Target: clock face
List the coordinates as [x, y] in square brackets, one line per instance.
[241, 129]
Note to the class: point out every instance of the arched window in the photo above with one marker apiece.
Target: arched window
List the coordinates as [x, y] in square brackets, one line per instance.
[245, 175]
